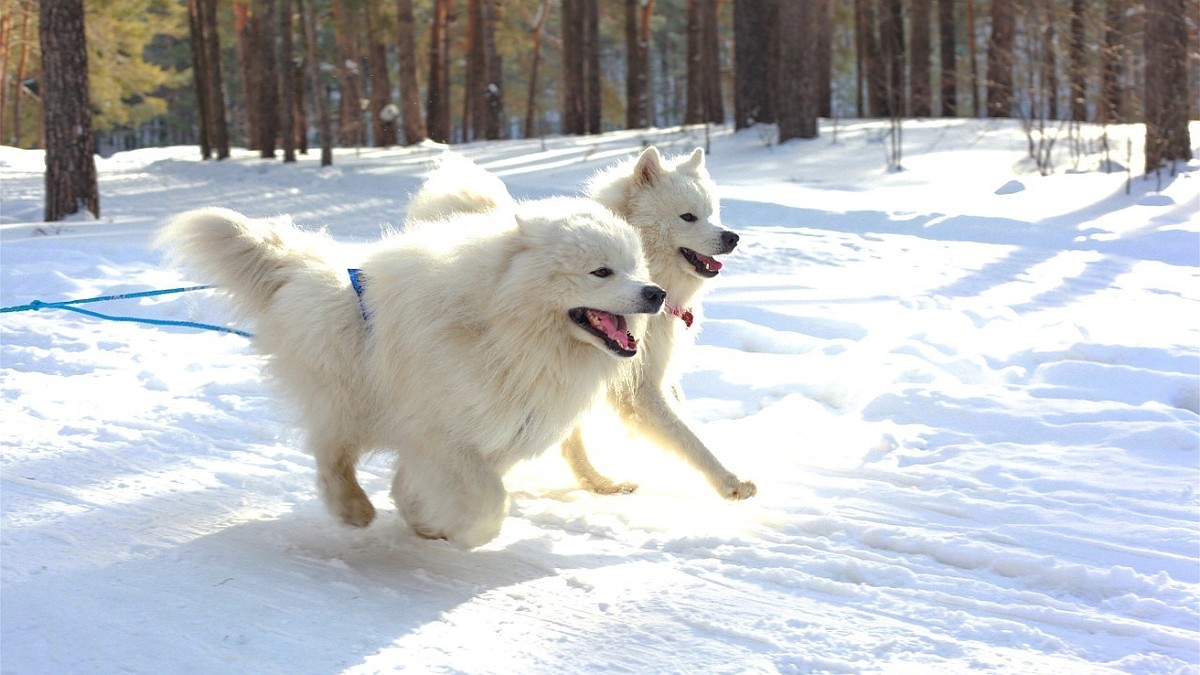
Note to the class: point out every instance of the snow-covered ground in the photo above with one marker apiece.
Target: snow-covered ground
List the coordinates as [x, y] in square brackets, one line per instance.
[968, 395]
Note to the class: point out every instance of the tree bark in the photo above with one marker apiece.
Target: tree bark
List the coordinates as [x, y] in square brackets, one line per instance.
[287, 104]
[1166, 97]
[246, 29]
[891, 42]
[592, 90]
[798, 81]
[383, 118]
[1000, 60]
[703, 66]
[539, 24]
[921, 90]
[345, 28]
[437, 112]
[1113, 56]
[200, 74]
[268, 100]
[1077, 73]
[484, 103]
[949, 58]
[581, 67]
[410, 90]
[324, 124]
[218, 125]
[637, 78]
[573, 68]
[824, 62]
[751, 55]
[70, 149]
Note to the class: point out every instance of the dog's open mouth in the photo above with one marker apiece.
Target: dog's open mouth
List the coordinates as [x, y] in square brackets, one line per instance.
[705, 266]
[608, 327]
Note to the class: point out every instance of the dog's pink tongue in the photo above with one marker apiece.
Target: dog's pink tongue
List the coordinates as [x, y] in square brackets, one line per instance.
[613, 327]
[711, 264]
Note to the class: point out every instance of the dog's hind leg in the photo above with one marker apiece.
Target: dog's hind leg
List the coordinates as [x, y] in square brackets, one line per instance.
[589, 478]
[339, 486]
[651, 415]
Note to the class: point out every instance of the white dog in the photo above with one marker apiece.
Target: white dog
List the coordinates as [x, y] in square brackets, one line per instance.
[674, 208]
[461, 354]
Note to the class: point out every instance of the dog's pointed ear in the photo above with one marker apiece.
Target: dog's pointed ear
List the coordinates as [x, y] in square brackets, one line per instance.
[695, 162]
[649, 168]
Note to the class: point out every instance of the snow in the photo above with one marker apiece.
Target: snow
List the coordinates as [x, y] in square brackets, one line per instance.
[968, 394]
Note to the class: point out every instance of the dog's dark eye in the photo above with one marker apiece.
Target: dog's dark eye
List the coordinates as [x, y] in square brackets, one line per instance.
[688, 217]
[602, 272]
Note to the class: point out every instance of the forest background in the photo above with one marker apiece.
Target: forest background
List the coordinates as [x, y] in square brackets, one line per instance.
[458, 70]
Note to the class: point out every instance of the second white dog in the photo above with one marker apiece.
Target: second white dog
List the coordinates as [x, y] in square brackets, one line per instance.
[674, 208]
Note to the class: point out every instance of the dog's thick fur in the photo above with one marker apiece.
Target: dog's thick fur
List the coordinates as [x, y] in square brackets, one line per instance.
[473, 356]
[674, 208]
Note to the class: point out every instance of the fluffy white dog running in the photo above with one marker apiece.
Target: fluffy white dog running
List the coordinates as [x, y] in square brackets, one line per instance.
[462, 349]
[674, 208]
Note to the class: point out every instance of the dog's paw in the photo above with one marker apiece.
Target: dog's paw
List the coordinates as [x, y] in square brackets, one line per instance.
[427, 533]
[736, 490]
[608, 487]
[357, 512]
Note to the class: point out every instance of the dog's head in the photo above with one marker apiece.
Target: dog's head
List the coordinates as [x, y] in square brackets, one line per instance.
[675, 207]
[589, 269]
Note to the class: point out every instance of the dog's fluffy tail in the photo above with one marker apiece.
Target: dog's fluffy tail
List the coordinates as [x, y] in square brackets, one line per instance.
[249, 258]
[458, 185]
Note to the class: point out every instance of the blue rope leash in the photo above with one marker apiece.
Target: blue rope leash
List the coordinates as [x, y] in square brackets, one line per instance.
[68, 305]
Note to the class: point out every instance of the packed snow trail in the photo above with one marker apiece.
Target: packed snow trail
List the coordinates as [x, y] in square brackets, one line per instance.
[972, 414]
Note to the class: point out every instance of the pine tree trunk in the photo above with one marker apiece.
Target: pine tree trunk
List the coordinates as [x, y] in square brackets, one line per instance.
[324, 124]
[1077, 73]
[825, 58]
[287, 104]
[383, 119]
[1000, 60]
[1049, 66]
[1166, 97]
[66, 111]
[247, 38]
[437, 112]
[593, 94]
[484, 104]
[472, 76]
[877, 80]
[300, 125]
[949, 57]
[218, 133]
[345, 27]
[574, 94]
[703, 66]
[920, 96]
[973, 61]
[268, 114]
[200, 70]
[891, 40]
[410, 90]
[750, 59]
[637, 79]
[798, 81]
[539, 24]
[1112, 57]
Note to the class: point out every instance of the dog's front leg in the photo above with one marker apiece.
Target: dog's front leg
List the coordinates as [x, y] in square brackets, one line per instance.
[449, 493]
[589, 478]
[654, 417]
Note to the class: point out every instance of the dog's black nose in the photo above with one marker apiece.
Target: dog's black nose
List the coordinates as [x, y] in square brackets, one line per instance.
[654, 296]
[729, 241]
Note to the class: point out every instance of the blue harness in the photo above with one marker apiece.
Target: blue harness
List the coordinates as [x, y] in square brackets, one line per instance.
[356, 280]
